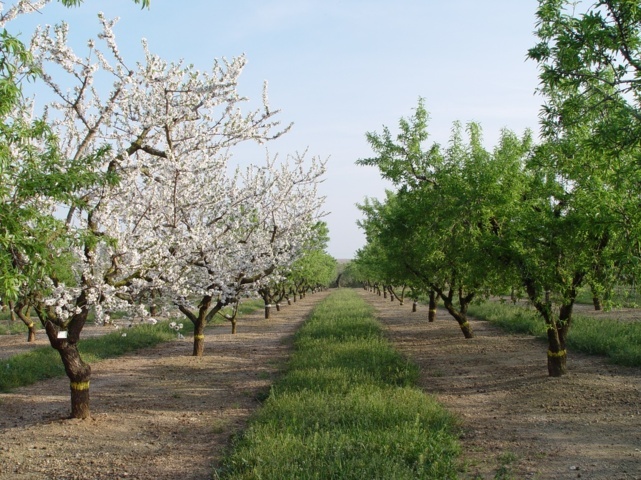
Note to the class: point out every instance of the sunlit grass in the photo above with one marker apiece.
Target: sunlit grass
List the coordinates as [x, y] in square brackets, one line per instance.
[346, 408]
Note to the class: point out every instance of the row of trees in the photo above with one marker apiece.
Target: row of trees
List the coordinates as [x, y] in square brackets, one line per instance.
[545, 218]
[117, 195]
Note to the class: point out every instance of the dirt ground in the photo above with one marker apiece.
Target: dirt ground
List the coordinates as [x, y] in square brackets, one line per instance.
[517, 422]
[158, 414]
[162, 414]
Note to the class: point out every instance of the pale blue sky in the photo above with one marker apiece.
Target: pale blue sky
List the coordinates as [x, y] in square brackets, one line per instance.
[340, 69]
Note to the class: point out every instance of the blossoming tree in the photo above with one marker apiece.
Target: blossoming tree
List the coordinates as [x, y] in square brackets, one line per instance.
[169, 217]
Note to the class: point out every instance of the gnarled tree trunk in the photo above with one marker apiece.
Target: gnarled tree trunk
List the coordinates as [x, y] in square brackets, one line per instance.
[78, 372]
[205, 313]
[460, 314]
[22, 311]
[557, 330]
[557, 327]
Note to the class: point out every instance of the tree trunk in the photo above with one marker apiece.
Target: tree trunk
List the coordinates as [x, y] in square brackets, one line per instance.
[11, 312]
[233, 326]
[557, 335]
[199, 337]
[557, 328]
[153, 308]
[278, 307]
[267, 311]
[77, 370]
[431, 316]
[459, 315]
[31, 335]
[78, 373]
[401, 299]
[22, 312]
[414, 305]
[461, 318]
[596, 301]
[557, 355]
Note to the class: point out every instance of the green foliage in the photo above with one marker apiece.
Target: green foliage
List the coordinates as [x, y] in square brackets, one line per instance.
[315, 267]
[549, 218]
[345, 409]
[589, 59]
[349, 275]
[618, 295]
[578, 222]
[439, 229]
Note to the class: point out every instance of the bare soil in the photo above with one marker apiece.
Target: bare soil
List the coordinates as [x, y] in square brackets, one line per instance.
[162, 414]
[156, 414]
[516, 421]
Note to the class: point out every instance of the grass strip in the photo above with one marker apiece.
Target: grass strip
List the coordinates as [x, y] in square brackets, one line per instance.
[620, 341]
[44, 362]
[347, 408]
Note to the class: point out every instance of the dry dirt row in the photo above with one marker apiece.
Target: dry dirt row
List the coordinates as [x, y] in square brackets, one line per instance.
[517, 422]
[158, 414]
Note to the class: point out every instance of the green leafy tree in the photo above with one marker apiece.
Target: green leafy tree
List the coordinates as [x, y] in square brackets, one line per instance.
[350, 276]
[315, 268]
[582, 204]
[440, 225]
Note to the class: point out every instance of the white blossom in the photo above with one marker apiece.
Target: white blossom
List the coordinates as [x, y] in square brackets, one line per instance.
[182, 221]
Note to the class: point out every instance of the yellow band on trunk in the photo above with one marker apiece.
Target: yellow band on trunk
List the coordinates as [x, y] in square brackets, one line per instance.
[199, 337]
[80, 385]
[552, 354]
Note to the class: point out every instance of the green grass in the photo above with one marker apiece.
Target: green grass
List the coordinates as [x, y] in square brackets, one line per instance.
[44, 362]
[347, 408]
[245, 307]
[620, 341]
[7, 327]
